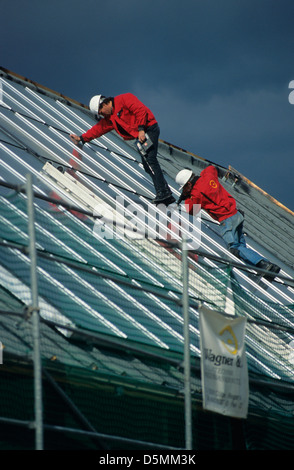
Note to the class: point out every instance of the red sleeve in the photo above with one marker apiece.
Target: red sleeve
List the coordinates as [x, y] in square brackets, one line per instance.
[102, 127]
[195, 198]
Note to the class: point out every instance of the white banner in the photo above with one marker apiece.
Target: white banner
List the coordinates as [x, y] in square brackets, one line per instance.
[224, 373]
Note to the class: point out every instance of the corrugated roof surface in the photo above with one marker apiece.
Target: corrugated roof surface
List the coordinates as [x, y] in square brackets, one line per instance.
[34, 128]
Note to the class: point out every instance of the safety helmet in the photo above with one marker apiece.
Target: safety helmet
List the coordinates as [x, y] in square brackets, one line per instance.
[183, 177]
[95, 102]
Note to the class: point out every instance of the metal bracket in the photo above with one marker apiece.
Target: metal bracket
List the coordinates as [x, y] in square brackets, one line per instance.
[29, 310]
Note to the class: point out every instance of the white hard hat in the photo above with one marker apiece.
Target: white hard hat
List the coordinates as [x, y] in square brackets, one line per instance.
[183, 177]
[95, 102]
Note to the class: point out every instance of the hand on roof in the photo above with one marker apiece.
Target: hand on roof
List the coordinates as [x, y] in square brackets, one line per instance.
[75, 138]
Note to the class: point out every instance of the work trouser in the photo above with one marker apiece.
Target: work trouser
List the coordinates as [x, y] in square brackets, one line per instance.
[150, 162]
[231, 230]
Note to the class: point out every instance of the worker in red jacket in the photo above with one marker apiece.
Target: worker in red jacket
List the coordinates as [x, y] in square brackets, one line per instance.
[207, 191]
[132, 120]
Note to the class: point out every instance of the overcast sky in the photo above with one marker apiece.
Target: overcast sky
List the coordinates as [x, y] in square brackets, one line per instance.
[215, 73]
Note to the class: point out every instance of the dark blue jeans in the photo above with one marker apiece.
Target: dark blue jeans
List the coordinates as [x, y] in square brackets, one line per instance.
[231, 230]
[150, 162]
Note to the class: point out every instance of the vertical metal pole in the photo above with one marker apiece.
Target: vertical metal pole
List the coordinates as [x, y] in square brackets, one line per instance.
[187, 359]
[35, 317]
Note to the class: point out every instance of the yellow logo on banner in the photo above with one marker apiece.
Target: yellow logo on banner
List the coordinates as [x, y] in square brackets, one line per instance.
[230, 341]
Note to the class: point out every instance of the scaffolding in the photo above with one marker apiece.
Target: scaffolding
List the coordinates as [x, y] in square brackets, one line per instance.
[166, 369]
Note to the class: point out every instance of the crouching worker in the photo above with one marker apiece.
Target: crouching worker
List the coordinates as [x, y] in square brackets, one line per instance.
[207, 191]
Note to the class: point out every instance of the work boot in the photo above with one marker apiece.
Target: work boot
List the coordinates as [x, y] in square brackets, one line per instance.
[267, 266]
[235, 252]
[274, 269]
[164, 197]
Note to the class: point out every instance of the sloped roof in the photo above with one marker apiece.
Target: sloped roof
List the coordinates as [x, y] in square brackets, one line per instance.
[268, 222]
[105, 298]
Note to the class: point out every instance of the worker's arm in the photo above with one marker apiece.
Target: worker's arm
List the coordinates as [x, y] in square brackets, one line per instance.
[99, 129]
[193, 197]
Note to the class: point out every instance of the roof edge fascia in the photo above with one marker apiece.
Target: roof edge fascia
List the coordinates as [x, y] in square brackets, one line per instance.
[264, 193]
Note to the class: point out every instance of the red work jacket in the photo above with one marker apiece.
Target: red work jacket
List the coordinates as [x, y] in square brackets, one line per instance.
[212, 196]
[128, 117]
